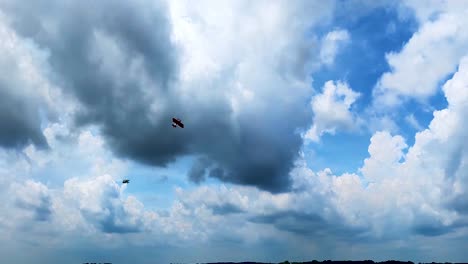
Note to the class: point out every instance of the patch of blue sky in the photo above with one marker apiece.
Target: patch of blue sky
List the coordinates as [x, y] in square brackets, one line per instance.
[55, 176]
[360, 63]
[155, 186]
[342, 153]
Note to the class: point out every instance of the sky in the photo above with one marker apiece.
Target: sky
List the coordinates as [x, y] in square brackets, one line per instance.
[313, 130]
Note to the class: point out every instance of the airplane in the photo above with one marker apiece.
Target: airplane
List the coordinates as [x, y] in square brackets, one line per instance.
[125, 181]
[176, 122]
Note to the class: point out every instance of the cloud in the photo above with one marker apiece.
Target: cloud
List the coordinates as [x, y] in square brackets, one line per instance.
[423, 184]
[380, 163]
[400, 192]
[397, 194]
[237, 129]
[134, 69]
[235, 107]
[291, 213]
[331, 44]
[34, 197]
[332, 110]
[23, 90]
[100, 203]
[198, 171]
[39, 214]
[104, 60]
[433, 52]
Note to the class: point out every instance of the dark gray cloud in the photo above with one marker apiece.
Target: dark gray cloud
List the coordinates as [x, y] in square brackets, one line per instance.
[199, 169]
[123, 68]
[261, 157]
[431, 229]
[19, 120]
[20, 65]
[460, 204]
[111, 97]
[430, 226]
[310, 225]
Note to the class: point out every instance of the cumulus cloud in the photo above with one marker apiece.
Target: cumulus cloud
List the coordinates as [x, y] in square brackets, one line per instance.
[332, 110]
[37, 206]
[134, 69]
[433, 53]
[423, 184]
[99, 201]
[129, 83]
[331, 45]
[400, 192]
[104, 60]
[72, 154]
[34, 197]
[239, 104]
[24, 92]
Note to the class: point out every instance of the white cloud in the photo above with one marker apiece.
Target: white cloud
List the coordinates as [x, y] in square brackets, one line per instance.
[332, 110]
[422, 185]
[431, 9]
[399, 191]
[100, 203]
[36, 201]
[222, 43]
[385, 153]
[33, 197]
[221, 47]
[331, 45]
[397, 195]
[429, 56]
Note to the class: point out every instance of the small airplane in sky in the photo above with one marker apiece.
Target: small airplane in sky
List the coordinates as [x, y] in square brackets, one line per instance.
[176, 122]
[125, 181]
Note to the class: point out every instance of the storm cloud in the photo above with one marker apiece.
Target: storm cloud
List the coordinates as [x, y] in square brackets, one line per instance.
[20, 83]
[120, 60]
[19, 120]
[238, 74]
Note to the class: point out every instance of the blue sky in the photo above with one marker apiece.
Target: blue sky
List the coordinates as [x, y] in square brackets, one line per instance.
[313, 130]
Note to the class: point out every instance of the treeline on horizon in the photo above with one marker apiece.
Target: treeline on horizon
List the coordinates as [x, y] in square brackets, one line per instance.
[334, 262]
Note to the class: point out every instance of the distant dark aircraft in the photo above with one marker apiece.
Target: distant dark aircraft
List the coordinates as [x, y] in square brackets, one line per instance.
[125, 181]
[176, 122]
